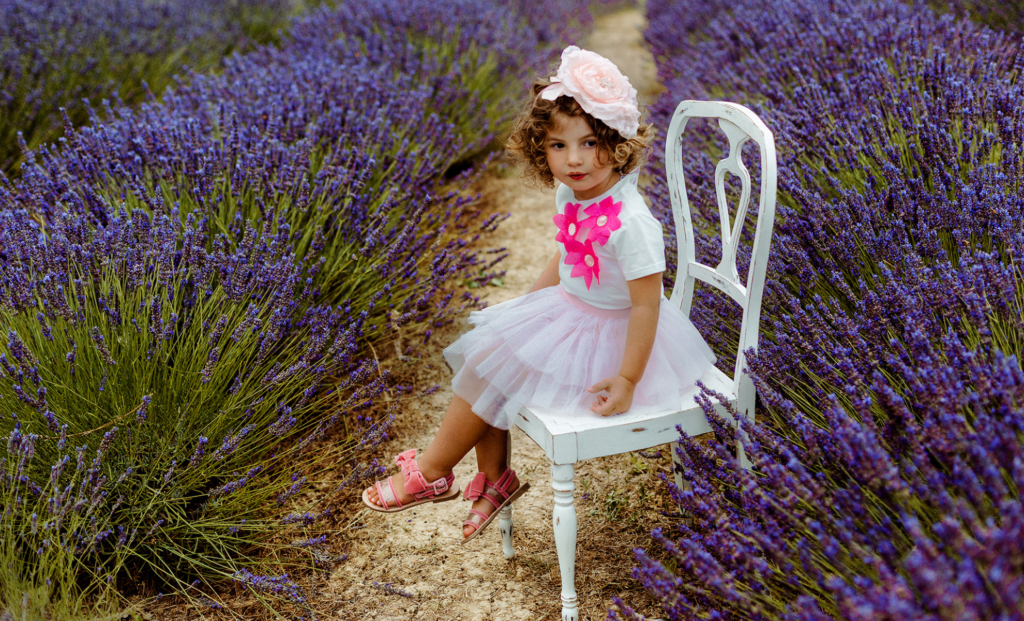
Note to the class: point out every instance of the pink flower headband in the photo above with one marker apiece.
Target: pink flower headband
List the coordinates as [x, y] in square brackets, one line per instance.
[598, 87]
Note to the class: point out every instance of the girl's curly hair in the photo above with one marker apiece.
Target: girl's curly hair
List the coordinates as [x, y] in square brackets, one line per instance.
[526, 144]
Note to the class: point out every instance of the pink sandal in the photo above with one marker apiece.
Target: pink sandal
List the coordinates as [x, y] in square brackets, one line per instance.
[480, 486]
[416, 486]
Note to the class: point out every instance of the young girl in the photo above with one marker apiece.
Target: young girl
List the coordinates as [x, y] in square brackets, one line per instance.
[595, 335]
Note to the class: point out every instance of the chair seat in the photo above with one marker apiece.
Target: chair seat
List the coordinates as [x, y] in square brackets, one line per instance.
[568, 440]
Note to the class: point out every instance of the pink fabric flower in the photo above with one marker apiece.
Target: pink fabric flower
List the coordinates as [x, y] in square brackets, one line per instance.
[568, 223]
[599, 87]
[583, 261]
[604, 218]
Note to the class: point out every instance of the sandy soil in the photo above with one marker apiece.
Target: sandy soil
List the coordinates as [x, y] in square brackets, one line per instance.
[418, 552]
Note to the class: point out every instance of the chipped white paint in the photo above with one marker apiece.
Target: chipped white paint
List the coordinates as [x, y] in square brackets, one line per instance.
[505, 525]
[563, 519]
[566, 442]
[505, 517]
[740, 125]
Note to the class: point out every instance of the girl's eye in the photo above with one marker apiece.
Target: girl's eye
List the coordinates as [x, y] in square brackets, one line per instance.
[557, 145]
[590, 143]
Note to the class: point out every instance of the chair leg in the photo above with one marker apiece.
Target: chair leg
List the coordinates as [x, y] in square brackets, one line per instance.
[563, 518]
[680, 483]
[741, 454]
[505, 524]
[505, 517]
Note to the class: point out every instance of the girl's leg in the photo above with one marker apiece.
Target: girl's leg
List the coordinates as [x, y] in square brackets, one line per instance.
[492, 460]
[491, 453]
[460, 431]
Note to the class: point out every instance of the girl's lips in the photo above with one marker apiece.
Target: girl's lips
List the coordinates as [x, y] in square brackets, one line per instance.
[577, 176]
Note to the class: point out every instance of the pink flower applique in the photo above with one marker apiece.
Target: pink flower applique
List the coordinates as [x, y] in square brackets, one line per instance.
[583, 261]
[604, 218]
[568, 223]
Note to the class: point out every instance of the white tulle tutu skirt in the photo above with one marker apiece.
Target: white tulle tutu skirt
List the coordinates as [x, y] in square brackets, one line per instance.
[546, 348]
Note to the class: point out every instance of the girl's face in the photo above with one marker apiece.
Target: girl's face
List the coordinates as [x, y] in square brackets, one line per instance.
[575, 159]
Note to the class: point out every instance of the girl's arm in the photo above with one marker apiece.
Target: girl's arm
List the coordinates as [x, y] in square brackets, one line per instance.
[645, 297]
[549, 277]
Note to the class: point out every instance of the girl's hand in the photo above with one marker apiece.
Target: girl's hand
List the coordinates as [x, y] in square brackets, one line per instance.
[619, 398]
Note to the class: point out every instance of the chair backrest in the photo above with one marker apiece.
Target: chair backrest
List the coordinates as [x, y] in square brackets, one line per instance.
[740, 125]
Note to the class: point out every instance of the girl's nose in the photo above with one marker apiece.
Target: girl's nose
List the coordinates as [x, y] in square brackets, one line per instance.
[575, 158]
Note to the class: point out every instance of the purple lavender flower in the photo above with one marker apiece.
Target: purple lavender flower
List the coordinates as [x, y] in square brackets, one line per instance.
[282, 585]
[231, 442]
[51, 421]
[108, 440]
[284, 422]
[211, 361]
[391, 589]
[237, 484]
[101, 346]
[305, 518]
[200, 452]
[293, 489]
[140, 416]
[312, 542]
[170, 472]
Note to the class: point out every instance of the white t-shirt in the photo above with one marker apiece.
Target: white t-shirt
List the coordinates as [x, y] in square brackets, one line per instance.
[607, 241]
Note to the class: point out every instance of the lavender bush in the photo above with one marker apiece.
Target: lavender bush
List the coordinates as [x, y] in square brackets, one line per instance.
[161, 400]
[55, 54]
[999, 15]
[872, 168]
[892, 495]
[886, 480]
[204, 273]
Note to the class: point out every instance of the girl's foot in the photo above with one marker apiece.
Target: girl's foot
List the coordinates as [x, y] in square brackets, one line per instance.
[397, 493]
[483, 506]
[400, 495]
[488, 497]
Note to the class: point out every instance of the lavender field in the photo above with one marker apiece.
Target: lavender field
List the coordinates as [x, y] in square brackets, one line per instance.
[190, 290]
[199, 266]
[887, 472]
[58, 55]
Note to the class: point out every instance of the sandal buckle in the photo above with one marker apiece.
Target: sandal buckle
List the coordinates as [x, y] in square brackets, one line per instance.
[439, 486]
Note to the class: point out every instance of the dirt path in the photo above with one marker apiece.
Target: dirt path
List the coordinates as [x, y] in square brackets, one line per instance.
[618, 499]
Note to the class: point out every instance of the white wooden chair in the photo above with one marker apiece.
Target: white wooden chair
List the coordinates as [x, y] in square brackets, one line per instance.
[565, 443]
